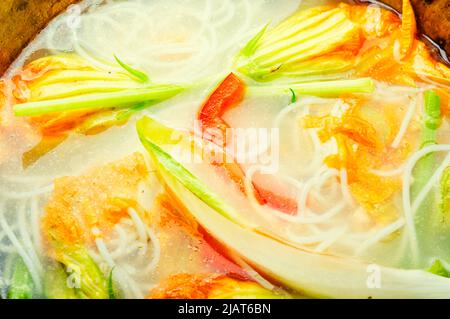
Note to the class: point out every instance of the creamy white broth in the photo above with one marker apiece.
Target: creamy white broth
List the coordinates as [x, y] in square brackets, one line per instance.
[195, 41]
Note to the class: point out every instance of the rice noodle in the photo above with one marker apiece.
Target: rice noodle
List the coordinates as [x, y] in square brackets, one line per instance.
[25, 236]
[140, 227]
[205, 39]
[4, 247]
[131, 246]
[322, 239]
[379, 235]
[27, 179]
[121, 276]
[122, 241]
[405, 123]
[324, 245]
[344, 185]
[253, 273]
[34, 271]
[156, 250]
[24, 195]
[35, 221]
[389, 173]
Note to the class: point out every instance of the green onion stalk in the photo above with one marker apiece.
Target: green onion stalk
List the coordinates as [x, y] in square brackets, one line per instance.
[112, 96]
[83, 274]
[430, 217]
[21, 285]
[319, 88]
[445, 195]
[57, 284]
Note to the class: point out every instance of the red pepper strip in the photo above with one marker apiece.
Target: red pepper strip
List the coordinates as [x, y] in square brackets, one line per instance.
[279, 202]
[228, 95]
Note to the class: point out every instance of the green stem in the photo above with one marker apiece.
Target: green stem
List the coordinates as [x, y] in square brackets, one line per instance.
[322, 88]
[139, 75]
[427, 219]
[56, 283]
[97, 101]
[431, 122]
[22, 286]
[85, 275]
[445, 194]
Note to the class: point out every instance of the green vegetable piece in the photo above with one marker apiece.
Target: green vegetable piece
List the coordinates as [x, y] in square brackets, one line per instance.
[22, 286]
[304, 44]
[445, 193]
[425, 166]
[111, 290]
[252, 45]
[439, 269]
[150, 133]
[427, 218]
[126, 114]
[98, 101]
[83, 272]
[100, 122]
[432, 119]
[56, 285]
[294, 96]
[322, 88]
[139, 75]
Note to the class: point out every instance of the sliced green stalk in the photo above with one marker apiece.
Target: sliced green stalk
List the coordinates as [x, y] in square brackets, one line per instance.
[84, 273]
[100, 122]
[56, 285]
[150, 132]
[98, 101]
[139, 75]
[158, 133]
[111, 289]
[427, 218]
[126, 114]
[445, 194]
[185, 177]
[439, 269]
[22, 286]
[431, 122]
[103, 120]
[322, 88]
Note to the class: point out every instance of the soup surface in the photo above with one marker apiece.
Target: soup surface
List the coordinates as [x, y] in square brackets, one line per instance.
[225, 149]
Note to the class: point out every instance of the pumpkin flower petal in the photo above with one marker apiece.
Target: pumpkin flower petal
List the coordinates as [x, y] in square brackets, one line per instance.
[408, 29]
[59, 92]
